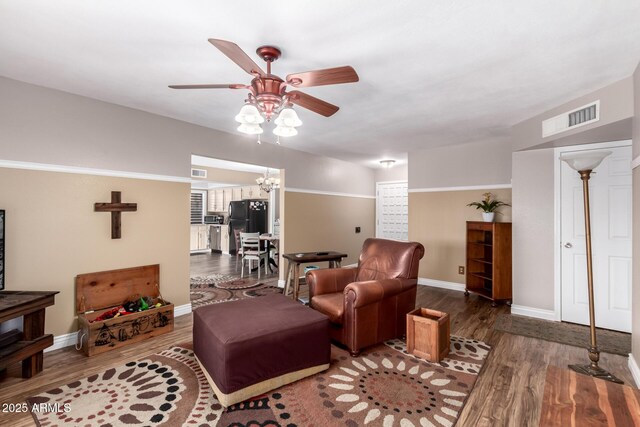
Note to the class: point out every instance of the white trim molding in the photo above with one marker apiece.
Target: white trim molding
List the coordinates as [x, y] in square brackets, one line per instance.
[463, 188]
[441, 284]
[635, 369]
[328, 193]
[635, 162]
[181, 310]
[537, 313]
[62, 341]
[89, 171]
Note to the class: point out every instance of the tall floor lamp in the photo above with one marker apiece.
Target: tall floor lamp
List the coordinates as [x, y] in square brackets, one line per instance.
[585, 163]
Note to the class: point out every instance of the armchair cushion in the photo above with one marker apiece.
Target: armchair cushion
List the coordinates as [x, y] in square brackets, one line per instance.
[329, 280]
[331, 305]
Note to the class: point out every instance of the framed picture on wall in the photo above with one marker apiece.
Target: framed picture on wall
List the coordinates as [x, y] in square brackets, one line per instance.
[1, 249]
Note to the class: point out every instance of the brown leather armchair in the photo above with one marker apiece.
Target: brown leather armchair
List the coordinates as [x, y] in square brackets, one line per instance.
[368, 304]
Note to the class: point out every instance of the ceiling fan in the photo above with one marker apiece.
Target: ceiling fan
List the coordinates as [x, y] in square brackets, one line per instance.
[268, 93]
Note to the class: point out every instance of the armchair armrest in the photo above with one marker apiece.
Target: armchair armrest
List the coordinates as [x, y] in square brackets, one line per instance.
[368, 292]
[329, 280]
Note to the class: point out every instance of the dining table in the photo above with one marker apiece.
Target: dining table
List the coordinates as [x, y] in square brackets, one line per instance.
[268, 240]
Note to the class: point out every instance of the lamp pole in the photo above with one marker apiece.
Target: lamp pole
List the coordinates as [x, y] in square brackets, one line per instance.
[592, 369]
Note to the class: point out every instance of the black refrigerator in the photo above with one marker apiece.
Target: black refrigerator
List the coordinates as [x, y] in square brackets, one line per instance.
[248, 216]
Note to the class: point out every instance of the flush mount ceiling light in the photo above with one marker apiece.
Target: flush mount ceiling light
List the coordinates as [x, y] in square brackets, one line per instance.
[268, 97]
[387, 163]
[268, 183]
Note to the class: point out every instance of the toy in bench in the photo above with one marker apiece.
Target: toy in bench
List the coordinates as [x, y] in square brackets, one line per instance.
[120, 307]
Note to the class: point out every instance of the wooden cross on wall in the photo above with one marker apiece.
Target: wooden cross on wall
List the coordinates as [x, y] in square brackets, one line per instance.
[115, 207]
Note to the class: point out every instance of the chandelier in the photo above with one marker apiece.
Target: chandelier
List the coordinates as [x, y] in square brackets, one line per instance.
[268, 183]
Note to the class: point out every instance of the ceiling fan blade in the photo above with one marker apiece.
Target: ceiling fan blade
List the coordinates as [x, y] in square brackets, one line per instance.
[237, 55]
[329, 76]
[312, 103]
[222, 86]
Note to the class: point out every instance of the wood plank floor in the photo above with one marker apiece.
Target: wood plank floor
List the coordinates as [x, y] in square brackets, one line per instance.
[508, 392]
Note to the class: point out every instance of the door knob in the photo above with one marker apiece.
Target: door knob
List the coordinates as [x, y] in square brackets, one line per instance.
[568, 245]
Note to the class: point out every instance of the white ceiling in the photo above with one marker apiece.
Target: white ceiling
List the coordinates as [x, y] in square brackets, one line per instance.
[431, 72]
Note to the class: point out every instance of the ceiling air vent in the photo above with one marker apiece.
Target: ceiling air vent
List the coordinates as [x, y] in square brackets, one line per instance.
[571, 119]
[198, 173]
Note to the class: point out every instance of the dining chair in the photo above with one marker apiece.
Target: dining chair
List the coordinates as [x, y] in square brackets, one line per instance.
[252, 251]
[236, 234]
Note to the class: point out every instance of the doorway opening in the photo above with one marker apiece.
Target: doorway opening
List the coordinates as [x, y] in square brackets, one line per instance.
[233, 202]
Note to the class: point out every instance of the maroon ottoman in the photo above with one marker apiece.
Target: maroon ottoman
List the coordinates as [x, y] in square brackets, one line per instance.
[251, 346]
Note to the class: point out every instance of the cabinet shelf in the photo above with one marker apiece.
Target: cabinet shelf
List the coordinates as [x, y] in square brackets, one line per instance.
[489, 260]
[483, 261]
[482, 243]
[482, 276]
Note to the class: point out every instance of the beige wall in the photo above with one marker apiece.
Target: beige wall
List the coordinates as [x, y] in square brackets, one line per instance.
[616, 111]
[486, 163]
[317, 222]
[635, 321]
[438, 221]
[533, 229]
[53, 234]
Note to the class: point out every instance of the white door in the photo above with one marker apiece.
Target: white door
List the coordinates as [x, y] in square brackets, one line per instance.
[611, 222]
[392, 210]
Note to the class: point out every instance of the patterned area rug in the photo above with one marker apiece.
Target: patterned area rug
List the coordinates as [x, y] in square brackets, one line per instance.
[383, 386]
[219, 288]
[564, 333]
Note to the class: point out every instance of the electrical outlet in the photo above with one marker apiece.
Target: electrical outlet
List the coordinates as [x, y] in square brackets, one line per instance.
[460, 269]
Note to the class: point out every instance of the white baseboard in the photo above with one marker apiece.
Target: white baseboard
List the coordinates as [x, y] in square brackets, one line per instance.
[441, 284]
[67, 340]
[62, 341]
[181, 310]
[538, 313]
[635, 370]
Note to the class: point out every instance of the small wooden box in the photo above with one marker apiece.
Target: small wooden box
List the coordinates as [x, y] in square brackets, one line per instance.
[99, 292]
[428, 334]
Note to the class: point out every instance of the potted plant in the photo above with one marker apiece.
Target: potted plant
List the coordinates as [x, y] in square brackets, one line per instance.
[488, 206]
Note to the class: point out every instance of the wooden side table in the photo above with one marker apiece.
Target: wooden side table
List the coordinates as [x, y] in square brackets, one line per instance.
[295, 259]
[29, 349]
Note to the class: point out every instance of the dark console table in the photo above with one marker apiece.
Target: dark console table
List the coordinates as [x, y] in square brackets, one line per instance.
[26, 346]
[295, 259]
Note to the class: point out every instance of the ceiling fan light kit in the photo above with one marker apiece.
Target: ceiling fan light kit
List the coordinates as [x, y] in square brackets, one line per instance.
[249, 114]
[285, 131]
[268, 96]
[250, 129]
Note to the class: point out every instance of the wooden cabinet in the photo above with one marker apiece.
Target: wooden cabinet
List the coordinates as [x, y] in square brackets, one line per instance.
[218, 200]
[254, 192]
[489, 260]
[211, 201]
[228, 197]
[199, 240]
[224, 239]
[236, 193]
[247, 192]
